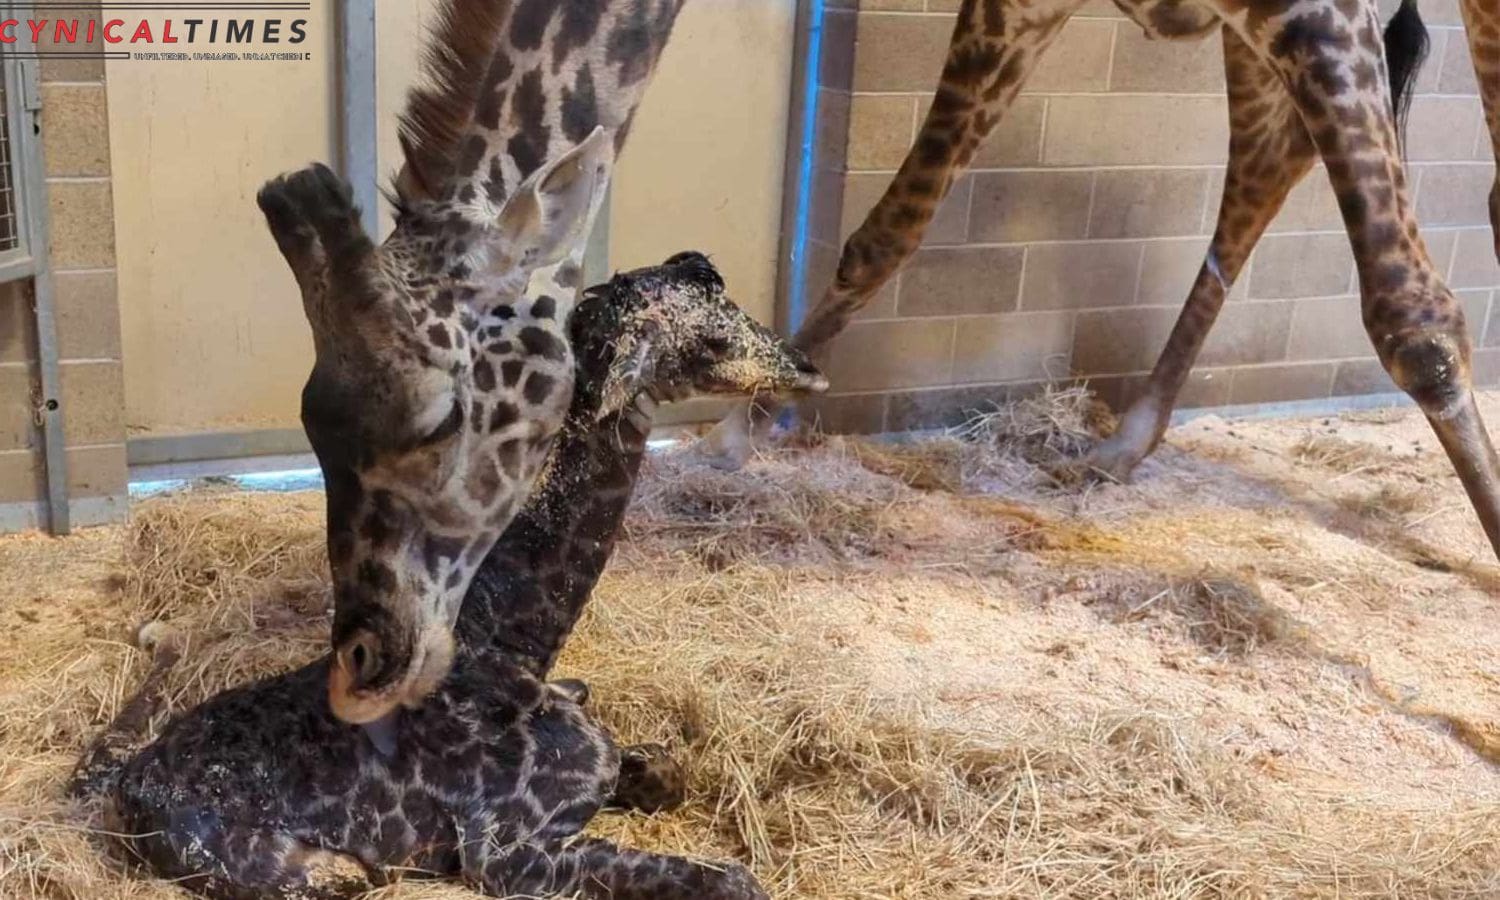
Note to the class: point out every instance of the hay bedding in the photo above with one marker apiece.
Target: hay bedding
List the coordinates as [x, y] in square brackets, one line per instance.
[1269, 667]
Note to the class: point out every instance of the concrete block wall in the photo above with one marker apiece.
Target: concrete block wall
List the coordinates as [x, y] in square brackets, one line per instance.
[1069, 247]
[75, 146]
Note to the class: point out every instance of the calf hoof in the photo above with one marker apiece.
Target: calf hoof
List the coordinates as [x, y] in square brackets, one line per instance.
[650, 780]
[736, 883]
[571, 689]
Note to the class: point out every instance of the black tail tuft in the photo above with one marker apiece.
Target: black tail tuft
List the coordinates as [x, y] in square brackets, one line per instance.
[1406, 47]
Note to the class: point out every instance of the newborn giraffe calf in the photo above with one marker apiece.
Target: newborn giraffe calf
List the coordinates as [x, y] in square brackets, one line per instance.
[262, 792]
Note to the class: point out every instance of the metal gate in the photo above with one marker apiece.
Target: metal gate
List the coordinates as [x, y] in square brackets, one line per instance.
[24, 254]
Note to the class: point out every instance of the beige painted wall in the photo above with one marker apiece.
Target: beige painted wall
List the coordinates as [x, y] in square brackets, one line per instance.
[703, 166]
[214, 337]
[702, 170]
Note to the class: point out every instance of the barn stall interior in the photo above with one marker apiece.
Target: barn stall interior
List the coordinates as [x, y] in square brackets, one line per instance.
[910, 649]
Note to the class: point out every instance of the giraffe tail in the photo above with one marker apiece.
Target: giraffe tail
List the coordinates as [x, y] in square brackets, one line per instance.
[1406, 46]
[100, 767]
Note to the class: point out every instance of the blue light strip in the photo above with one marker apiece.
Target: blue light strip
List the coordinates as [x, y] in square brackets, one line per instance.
[275, 482]
[797, 301]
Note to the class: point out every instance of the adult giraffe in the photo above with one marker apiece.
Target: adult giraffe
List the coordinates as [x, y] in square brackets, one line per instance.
[1305, 78]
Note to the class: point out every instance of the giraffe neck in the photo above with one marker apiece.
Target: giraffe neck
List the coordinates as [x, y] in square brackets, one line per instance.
[519, 84]
[533, 585]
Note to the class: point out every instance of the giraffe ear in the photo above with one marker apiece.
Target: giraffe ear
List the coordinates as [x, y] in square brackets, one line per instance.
[633, 369]
[552, 210]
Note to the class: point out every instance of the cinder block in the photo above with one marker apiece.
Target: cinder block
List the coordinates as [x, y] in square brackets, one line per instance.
[1148, 203]
[82, 224]
[80, 68]
[1168, 269]
[1491, 327]
[1474, 264]
[93, 399]
[1311, 206]
[942, 408]
[1328, 328]
[1458, 70]
[900, 53]
[92, 472]
[1443, 128]
[75, 129]
[960, 281]
[1281, 383]
[17, 428]
[1455, 194]
[1013, 347]
[1013, 207]
[1476, 306]
[949, 224]
[880, 130]
[1170, 67]
[874, 356]
[1084, 275]
[1136, 130]
[1301, 265]
[88, 316]
[845, 414]
[1120, 341]
[1248, 333]
[1077, 60]
[17, 323]
[1017, 140]
[1362, 376]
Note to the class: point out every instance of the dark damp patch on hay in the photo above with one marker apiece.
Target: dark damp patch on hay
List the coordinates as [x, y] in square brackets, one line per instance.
[722, 517]
[1051, 430]
[1224, 614]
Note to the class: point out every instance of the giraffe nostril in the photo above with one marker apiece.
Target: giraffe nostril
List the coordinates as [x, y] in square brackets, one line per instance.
[360, 658]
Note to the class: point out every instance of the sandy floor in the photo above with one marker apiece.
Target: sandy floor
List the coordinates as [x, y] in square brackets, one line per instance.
[1268, 666]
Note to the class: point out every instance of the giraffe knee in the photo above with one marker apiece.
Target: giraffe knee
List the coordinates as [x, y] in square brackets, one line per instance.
[1431, 366]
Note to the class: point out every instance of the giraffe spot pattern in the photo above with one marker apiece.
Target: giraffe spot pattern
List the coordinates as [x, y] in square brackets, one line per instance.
[538, 387]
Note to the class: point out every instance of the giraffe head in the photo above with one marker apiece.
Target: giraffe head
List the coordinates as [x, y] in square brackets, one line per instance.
[672, 329]
[435, 392]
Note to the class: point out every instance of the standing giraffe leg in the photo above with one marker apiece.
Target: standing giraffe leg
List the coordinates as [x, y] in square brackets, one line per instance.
[1329, 54]
[1482, 25]
[995, 45]
[1269, 152]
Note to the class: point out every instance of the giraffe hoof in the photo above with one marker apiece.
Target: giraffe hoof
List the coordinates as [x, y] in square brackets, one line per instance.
[156, 638]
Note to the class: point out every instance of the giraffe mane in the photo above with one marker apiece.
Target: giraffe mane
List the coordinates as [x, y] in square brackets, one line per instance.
[459, 52]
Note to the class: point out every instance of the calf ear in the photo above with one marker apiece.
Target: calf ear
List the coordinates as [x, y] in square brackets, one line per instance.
[552, 210]
[633, 370]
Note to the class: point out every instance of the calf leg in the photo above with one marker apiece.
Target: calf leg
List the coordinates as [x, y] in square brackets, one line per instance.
[1269, 152]
[102, 762]
[599, 869]
[1329, 55]
[995, 45]
[234, 862]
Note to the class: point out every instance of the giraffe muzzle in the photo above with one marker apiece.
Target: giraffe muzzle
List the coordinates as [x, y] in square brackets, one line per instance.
[365, 686]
